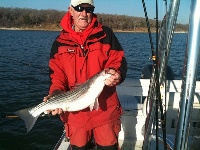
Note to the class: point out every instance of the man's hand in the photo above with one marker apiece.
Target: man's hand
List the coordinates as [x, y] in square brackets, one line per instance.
[56, 111]
[114, 79]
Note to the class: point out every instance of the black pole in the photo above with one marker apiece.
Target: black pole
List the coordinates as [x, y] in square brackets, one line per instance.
[157, 77]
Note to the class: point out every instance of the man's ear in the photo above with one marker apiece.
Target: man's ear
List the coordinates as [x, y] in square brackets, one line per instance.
[70, 10]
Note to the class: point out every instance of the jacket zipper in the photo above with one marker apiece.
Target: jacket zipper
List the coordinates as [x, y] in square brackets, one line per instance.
[83, 51]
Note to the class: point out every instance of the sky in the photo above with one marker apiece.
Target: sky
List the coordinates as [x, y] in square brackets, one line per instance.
[119, 7]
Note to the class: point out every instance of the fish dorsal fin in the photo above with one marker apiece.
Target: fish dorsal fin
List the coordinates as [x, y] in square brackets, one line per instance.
[77, 85]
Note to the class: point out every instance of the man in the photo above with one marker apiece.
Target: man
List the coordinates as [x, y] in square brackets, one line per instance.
[83, 49]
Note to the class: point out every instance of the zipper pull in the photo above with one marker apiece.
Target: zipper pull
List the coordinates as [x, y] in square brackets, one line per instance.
[84, 51]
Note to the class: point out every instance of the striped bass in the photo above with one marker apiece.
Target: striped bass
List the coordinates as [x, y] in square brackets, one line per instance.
[85, 95]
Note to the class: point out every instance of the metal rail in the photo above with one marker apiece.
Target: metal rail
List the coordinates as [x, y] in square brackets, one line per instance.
[164, 47]
[189, 77]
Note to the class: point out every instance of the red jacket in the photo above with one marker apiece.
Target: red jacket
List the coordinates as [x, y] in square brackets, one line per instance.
[75, 57]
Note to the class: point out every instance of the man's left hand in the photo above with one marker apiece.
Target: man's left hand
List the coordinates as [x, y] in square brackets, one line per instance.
[114, 79]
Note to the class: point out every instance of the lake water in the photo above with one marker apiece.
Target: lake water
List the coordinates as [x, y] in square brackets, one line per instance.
[24, 80]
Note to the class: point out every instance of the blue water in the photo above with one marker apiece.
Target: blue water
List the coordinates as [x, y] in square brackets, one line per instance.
[24, 80]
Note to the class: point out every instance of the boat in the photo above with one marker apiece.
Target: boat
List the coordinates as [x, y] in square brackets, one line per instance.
[131, 94]
[165, 114]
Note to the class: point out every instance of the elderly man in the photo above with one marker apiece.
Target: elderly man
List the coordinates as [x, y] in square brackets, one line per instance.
[84, 48]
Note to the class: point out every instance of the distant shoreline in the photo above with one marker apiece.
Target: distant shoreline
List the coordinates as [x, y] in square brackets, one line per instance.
[59, 29]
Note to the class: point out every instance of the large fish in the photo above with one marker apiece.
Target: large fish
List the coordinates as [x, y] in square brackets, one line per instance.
[85, 95]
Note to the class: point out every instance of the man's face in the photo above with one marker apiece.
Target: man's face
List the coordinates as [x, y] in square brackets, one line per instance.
[82, 15]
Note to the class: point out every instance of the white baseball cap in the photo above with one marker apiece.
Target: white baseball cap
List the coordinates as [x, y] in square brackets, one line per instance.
[78, 2]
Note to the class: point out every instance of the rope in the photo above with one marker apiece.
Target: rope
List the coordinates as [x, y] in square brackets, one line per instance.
[149, 31]
[155, 81]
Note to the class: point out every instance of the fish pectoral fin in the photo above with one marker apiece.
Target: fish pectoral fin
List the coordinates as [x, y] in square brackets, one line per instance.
[91, 106]
[94, 105]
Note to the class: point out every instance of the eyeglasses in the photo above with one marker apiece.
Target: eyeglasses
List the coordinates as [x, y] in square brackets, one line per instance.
[87, 9]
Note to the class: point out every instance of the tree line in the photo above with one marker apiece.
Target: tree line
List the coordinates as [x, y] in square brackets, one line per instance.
[50, 19]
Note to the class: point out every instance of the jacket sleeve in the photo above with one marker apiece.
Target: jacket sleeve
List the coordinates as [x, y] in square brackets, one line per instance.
[116, 54]
[58, 79]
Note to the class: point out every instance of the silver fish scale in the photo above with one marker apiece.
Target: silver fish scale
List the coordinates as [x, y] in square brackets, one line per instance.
[66, 96]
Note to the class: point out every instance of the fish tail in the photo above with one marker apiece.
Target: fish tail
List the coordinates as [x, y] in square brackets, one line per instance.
[28, 118]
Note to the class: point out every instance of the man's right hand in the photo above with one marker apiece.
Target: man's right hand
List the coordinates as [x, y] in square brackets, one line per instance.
[56, 111]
